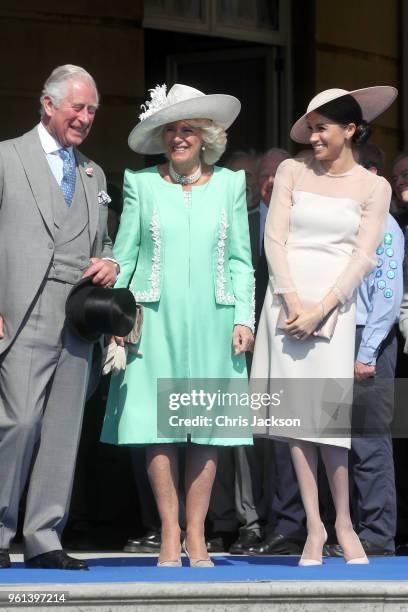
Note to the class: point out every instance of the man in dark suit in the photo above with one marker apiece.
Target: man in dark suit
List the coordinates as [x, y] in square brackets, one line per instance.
[53, 213]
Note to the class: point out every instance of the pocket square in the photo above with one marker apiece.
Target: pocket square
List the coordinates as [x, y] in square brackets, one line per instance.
[104, 198]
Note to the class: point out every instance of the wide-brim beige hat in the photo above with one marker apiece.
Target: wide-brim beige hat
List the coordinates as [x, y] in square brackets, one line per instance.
[372, 100]
[181, 102]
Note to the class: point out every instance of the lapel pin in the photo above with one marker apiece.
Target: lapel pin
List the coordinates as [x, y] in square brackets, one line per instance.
[89, 171]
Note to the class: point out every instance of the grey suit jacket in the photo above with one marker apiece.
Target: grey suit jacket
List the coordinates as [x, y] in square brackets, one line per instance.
[27, 224]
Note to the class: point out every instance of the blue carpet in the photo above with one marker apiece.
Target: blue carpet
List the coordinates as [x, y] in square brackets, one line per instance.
[227, 569]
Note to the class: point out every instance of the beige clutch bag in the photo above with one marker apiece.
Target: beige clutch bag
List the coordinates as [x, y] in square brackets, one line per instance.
[325, 329]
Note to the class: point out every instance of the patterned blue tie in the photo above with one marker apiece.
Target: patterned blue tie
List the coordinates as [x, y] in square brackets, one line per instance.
[69, 175]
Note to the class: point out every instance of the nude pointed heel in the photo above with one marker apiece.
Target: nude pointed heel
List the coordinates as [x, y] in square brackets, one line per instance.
[196, 562]
[310, 562]
[358, 561]
[169, 563]
[363, 560]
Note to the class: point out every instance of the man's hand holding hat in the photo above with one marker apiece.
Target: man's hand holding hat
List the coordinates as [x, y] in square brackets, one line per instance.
[103, 271]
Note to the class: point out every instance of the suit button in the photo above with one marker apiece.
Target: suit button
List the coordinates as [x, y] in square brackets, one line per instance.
[50, 245]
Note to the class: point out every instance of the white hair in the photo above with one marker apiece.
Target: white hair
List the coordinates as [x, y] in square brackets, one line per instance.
[56, 86]
[214, 138]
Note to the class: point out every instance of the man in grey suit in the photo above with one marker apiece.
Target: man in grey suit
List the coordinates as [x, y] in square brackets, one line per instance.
[52, 232]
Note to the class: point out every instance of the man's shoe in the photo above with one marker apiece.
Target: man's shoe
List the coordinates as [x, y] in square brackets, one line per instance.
[332, 550]
[402, 550]
[373, 550]
[220, 541]
[4, 559]
[149, 543]
[370, 549]
[276, 544]
[245, 540]
[56, 559]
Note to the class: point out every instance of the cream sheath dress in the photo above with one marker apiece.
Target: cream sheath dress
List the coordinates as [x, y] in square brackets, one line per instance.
[321, 235]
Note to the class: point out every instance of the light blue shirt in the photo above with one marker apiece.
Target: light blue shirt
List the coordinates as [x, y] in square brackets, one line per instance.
[379, 295]
[51, 148]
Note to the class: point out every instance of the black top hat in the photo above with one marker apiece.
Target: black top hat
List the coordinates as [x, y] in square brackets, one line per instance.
[92, 310]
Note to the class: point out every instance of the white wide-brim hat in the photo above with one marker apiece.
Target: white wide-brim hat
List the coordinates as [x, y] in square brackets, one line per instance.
[372, 100]
[181, 102]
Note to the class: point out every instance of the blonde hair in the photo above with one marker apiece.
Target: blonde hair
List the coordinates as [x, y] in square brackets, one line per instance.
[214, 138]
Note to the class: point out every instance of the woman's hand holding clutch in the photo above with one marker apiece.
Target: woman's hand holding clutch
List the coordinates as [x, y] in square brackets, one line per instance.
[302, 319]
[302, 325]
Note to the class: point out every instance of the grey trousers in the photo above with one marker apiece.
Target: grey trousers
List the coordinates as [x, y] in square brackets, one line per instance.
[43, 381]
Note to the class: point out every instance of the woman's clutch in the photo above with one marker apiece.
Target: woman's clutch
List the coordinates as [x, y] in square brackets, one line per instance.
[326, 327]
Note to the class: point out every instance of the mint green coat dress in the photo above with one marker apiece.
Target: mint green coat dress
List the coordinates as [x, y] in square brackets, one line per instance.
[190, 267]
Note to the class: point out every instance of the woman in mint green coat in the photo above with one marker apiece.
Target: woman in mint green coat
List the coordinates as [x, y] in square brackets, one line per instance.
[183, 249]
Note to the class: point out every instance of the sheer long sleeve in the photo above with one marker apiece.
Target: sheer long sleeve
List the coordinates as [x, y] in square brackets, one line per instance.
[363, 260]
[277, 228]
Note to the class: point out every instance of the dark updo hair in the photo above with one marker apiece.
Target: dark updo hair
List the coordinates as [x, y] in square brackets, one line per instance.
[347, 110]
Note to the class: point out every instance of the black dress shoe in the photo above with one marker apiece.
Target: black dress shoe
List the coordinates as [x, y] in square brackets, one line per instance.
[4, 559]
[220, 541]
[402, 550]
[246, 540]
[373, 550]
[276, 544]
[56, 559]
[332, 550]
[370, 549]
[149, 543]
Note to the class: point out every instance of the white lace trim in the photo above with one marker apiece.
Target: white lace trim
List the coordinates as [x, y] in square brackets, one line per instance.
[153, 294]
[221, 296]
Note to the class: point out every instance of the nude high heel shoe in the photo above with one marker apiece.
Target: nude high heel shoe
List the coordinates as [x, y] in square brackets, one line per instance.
[310, 562]
[358, 561]
[169, 563]
[363, 560]
[197, 562]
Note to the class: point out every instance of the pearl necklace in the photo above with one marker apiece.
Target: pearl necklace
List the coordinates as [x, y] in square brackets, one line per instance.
[182, 178]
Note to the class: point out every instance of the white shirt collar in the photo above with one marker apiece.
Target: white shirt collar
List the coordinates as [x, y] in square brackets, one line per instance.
[48, 142]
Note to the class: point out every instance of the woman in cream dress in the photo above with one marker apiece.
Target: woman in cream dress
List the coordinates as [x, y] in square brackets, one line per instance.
[325, 221]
